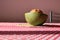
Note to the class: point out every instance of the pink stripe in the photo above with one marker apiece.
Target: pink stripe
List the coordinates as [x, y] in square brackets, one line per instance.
[56, 37]
[30, 37]
[43, 37]
[36, 37]
[24, 37]
[47, 36]
[39, 38]
[50, 37]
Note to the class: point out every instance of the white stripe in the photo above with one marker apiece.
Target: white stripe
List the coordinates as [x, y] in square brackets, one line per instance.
[48, 36]
[34, 37]
[29, 37]
[53, 37]
[41, 36]
[58, 38]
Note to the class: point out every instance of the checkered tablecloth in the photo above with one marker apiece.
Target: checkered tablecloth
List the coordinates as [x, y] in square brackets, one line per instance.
[31, 37]
[39, 36]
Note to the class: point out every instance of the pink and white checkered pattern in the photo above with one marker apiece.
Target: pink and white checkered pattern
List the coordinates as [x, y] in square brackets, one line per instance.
[22, 27]
[31, 37]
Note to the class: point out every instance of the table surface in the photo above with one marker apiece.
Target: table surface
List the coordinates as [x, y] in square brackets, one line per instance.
[12, 28]
[5, 26]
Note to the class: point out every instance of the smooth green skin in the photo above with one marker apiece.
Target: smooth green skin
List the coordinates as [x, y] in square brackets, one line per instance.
[35, 18]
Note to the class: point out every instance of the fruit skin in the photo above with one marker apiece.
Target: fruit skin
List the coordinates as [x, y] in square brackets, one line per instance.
[36, 17]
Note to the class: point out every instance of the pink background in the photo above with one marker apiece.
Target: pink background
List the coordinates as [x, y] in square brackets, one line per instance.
[13, 10]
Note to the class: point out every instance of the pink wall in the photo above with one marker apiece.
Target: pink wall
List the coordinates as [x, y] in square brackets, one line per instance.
[13, 10]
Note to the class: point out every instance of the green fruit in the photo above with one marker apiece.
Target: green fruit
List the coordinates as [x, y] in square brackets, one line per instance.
[36, 17]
